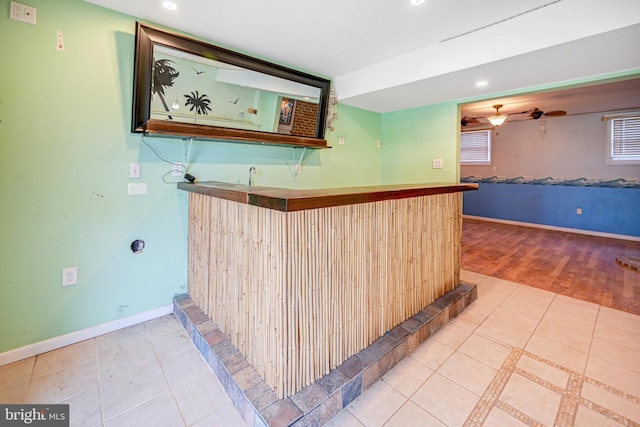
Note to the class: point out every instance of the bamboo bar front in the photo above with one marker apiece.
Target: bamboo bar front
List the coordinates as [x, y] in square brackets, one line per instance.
[299, 292]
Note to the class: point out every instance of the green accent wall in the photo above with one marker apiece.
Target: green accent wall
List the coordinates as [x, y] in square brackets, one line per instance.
[412, 138]
[65, 150]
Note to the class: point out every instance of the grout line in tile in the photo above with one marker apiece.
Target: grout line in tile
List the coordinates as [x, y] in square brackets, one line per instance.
[518, 414]
[133, 407]
[100, 395]
[151, 398]
[593, 333]
[569, 403]
[540, 320]
[489, 398]
[164, 373]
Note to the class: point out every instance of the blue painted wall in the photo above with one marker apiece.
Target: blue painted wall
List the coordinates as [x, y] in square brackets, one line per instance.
[604, 209]
[541, 171]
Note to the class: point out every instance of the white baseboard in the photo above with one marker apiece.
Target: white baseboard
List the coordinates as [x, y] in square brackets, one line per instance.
[34, 349]
[554, 228]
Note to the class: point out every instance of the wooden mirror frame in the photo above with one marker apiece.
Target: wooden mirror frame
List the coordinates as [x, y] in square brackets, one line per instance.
[147, 37]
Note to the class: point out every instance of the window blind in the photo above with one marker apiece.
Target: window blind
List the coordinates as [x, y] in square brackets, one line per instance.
[625, 138]
[475, 147]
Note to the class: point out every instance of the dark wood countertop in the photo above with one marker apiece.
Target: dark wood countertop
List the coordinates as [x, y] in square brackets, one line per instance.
[288, 200]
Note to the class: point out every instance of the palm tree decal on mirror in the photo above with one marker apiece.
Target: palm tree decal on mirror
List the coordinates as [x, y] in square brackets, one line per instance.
[163, 77]
[199, 102]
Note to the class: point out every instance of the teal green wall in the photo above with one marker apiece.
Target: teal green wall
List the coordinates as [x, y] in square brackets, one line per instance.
[412, 138]
[356, 162]
[65, 150]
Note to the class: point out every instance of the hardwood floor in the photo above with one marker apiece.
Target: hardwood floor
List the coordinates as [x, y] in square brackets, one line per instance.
[576, 265]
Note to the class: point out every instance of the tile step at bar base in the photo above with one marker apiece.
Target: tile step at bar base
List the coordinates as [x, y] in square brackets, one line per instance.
[317, 403]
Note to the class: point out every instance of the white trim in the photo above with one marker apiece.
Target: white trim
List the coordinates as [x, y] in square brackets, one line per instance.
[554, 228]
[34, 349]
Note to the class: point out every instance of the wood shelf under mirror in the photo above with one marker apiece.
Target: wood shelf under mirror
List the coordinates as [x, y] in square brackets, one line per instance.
[187, 130]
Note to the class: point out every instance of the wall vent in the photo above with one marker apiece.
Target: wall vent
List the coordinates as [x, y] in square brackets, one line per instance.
[502, 20]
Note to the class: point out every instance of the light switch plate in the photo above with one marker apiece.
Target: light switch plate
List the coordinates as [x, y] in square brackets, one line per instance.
[134, 170]
[136, 189]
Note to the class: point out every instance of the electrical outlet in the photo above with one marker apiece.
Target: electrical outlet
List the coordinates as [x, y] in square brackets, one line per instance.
[378, 143]
[177, 169]
[23, 13]
[579, 211]
[341, 140]
[436, 163]
[69, 276]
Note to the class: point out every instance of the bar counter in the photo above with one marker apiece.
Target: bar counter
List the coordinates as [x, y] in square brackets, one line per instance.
[289, 200]
[301, 280]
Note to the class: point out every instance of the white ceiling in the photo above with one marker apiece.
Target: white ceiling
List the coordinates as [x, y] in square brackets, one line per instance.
[388, 55]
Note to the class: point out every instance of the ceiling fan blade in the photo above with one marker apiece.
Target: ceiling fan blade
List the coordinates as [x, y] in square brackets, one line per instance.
[556, 113]
[466, 120]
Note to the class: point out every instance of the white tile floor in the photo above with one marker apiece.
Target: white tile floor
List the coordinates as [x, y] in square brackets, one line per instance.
[145, 375]
[517, 356]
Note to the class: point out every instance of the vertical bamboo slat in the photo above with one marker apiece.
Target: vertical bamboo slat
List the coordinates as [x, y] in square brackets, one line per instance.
[300, 292]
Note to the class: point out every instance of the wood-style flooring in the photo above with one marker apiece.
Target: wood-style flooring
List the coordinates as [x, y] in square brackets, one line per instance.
[576, 265]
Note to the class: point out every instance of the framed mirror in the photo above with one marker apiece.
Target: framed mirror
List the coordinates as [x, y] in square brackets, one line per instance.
[188, 88]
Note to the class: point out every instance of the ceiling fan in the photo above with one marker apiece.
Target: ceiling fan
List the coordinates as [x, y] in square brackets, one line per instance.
[535, 113]
[467, 120]
[498, 118]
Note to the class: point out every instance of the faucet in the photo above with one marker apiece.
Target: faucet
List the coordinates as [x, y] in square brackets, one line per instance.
[252, 171]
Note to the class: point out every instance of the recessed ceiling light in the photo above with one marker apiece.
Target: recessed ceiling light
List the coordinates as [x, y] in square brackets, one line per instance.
[417, 2]
[482, 83]
[169, 5]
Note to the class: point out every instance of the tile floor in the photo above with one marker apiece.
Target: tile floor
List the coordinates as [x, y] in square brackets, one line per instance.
[145, 375]
[517, 356]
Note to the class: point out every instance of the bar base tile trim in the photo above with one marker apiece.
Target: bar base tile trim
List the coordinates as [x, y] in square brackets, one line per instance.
[317, 403]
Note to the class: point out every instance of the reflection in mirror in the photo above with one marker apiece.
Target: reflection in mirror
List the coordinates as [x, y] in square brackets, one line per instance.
[185, 87]
[192, 89]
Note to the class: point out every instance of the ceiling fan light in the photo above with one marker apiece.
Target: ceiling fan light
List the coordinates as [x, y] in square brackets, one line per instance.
[497, 120]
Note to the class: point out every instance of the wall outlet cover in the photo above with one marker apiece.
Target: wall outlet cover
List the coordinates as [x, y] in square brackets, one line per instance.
[69, 276]
[23, 13]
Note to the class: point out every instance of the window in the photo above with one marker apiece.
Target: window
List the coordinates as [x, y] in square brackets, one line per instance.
[475, 147]
[624, 139]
